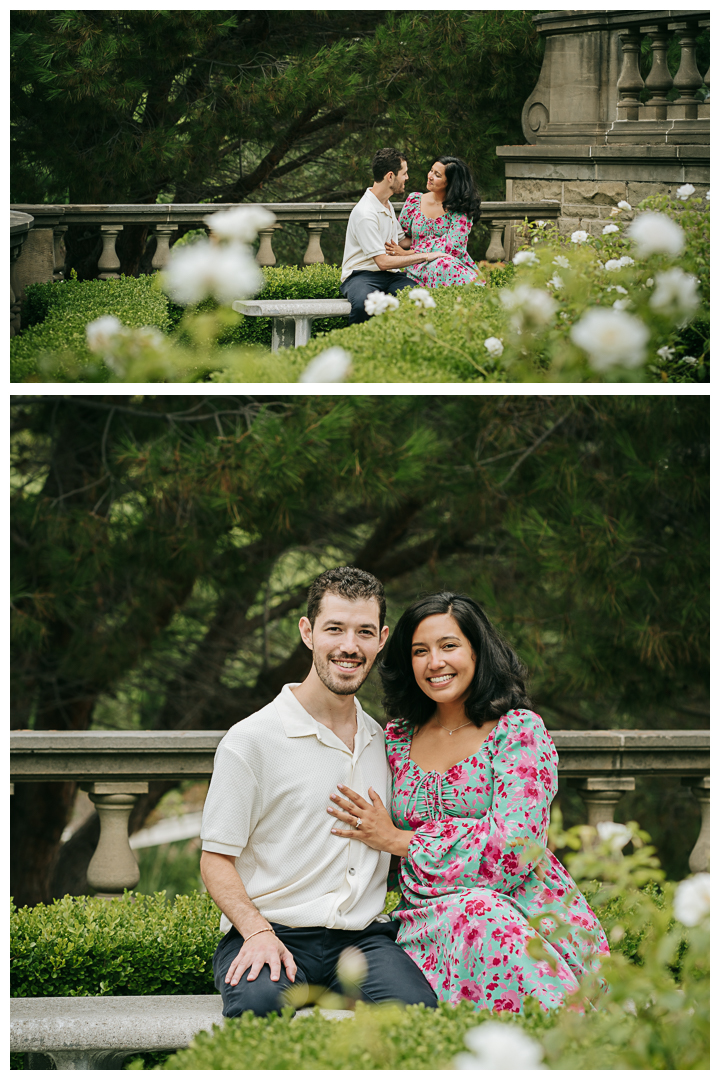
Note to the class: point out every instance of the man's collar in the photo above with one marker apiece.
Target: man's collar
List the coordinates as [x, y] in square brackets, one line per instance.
[385, 209]
[297, 721]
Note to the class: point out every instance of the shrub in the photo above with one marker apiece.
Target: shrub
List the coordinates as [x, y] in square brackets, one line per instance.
[55, 345]
[87, 946]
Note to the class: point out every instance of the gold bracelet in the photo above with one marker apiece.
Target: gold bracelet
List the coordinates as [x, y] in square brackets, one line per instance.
[266, 930]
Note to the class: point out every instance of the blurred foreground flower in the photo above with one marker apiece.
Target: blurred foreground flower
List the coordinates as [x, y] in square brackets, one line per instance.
[656, 234]
[332, 365]
[494, 346]
[352, 969]
[500, 1046]
[525, 258]
[102, 332]
[421, 298]
[562, 261]
[614, 833]
[377, 302]
[611, 338]
[242, 223]
[692, 899]
[610, 229]
[676, 294]
[225, 272]
[532, 306]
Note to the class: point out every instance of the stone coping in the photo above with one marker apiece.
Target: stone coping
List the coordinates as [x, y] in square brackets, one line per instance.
[617, 153]
[20, 223]
[574, 22]
[303, 309]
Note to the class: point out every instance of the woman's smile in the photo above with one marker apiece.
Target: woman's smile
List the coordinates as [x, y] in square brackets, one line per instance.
[442, 658]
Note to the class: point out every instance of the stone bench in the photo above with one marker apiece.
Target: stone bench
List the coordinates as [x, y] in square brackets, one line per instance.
[291, 318]
[101, 1032]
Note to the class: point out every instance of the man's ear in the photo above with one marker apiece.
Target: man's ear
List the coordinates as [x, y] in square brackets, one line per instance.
[383, 637]
[305, 627]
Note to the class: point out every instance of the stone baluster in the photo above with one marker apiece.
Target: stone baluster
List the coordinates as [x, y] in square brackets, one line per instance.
[601, 795]
[659, 80]
[15, 290]
[314, 254]
[688, 79]
[163, 234]
[630, 82]
[59, 251]
[114, 867]
[699, 861]
[265, 255]
[496, 250]
[109, 263]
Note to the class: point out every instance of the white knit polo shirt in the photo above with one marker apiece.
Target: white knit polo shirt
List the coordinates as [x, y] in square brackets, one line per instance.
[267, 806]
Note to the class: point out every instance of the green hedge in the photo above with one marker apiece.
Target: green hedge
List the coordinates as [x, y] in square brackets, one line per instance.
[60, 312]
[86, 946]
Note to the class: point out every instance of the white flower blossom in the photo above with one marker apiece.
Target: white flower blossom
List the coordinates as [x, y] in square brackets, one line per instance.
[676, 294]
[656, 234]
[613, 264]
[579, 236]
[332, 365]
[666, 353]
[610, 229]
[530, 305]
[620, 305]
[561, 260]
[692, 899]
[525, 258]
[650, 282]
[226, 272]
[611, 338]
[102, 332]
[625, 260]
[707, 196]
[500, 1046]
[421, 298]
[242, 223]
[616, 288]
[613, 833]
[555, 282]
[494, 346]
[352, 968]
[692, 360]
[685, 192]
[623, 205]
[377, 302]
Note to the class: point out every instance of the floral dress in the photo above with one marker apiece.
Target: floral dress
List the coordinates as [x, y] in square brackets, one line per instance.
[478, 868]
[448, 233]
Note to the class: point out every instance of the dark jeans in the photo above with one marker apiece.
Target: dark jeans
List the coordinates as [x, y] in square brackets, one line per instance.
[361, 283]
[391, 976]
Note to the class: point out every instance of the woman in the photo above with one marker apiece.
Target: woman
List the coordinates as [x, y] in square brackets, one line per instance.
[441, 220]
[474, 774]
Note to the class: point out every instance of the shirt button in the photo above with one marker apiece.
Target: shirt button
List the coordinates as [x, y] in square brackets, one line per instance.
[351, 870]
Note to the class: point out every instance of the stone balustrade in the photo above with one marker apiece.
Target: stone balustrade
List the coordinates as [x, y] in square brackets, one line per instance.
[20, 225]
[116, 767]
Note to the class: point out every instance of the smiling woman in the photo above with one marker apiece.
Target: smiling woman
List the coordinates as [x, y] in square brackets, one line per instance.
[469, 818]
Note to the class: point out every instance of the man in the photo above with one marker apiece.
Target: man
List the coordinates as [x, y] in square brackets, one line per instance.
[366, 265]
[293, 896]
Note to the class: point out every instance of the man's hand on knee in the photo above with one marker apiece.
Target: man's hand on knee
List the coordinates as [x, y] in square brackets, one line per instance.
[258, 951]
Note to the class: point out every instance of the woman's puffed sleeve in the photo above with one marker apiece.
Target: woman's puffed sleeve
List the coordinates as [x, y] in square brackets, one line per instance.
[502, 847]
[456, 239]
[405, 221]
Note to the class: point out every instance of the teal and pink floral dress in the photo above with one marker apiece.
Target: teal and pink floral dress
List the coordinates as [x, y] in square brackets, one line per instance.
[478, 868]
[448, 233]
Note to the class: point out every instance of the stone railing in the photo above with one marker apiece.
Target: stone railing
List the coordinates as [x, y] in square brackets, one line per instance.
[20, 225]
[116, 767]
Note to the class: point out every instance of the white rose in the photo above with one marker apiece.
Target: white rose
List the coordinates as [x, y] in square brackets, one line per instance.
[625, 260]
[560, 260]
[531, 305]
[666, 353]
[692, 360]
[525, 257]
[613, 833]
[332, 365]
[242, 223]
[494, 346]
[613, 264]
[692, 899]
[101, 332]
[656, 234]
[555, 282]
[620, 305]
[611, 338]
[500, 1046]
[623, 205]
[675, 294]
[579, 236]
[616, 288]
[685, 192]
[377, 302]
[226, 272]
[421, 298]
[610, 229]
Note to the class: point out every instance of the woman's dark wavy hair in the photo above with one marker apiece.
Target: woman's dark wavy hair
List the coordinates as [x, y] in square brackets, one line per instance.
[462, 195]
[499, 681]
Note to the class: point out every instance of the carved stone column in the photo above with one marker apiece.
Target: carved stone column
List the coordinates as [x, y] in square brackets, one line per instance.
[113, 867]
[314, 254]
[266, 255]
[630, 82]
[688, 79]
[59, 252]
[659, 80]
[109, 263]
[601, 795]
[699, 861]
[163, 234]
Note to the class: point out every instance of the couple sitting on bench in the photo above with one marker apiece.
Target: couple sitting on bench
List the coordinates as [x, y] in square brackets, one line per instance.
[426, 248]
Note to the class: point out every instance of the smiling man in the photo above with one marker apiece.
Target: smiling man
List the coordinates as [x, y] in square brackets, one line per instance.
[292, 895]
